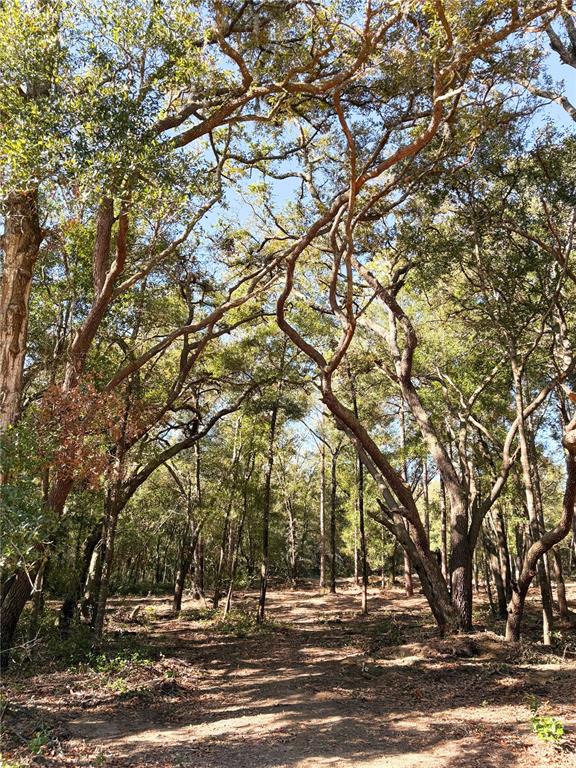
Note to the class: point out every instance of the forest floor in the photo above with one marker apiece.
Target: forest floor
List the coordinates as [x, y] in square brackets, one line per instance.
[317, 685]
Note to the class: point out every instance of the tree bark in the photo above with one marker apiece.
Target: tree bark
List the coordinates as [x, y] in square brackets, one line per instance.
[12, 608]
[21, 244]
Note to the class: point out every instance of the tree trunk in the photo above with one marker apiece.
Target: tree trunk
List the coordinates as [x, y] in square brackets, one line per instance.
[225, 528]
[37, 597]
[503, 553]
[560, 585]
[488, 587]
[107, 556]
[532, 502]
[426, 497]
[12, 607]
[21, 243]
[292, 544]
[68, 608]
[333, 505]
[322, 517]
[544, 543]
[186, 559]
[266, 505]
[356, 570]
[363, 547]
[460, 562]
[238, 545]
[492, 557]
[408, 584]
[443, 531]
[361, 520]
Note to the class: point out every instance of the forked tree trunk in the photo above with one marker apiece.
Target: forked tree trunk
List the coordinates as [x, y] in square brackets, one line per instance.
[546, 541]
[532, 503]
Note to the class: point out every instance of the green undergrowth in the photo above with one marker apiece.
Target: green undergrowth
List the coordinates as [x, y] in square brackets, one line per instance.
[243, 624]
[547, 728]
[386, 632]
[199, 614]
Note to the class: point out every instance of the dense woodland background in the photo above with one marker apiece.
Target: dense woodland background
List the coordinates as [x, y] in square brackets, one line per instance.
[288, 294]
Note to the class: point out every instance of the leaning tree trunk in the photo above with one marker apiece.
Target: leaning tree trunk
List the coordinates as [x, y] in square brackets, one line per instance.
[542, 545]
[12, 608]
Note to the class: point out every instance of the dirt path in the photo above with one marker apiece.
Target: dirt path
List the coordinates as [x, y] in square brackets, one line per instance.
[322, 687]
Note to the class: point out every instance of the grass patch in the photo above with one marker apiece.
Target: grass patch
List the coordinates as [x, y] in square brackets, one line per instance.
[199, 614]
